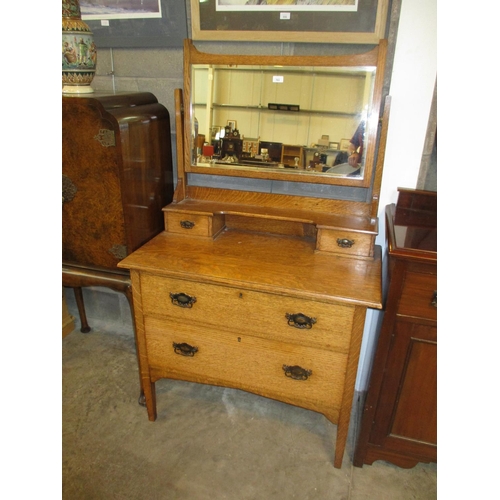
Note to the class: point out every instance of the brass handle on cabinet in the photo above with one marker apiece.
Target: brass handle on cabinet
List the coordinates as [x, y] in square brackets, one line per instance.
[300, 320]
[434, 300]
[182, 300]
[68, 189]
[187, 224]
[184, 349]
[296, 372]
[345, 243]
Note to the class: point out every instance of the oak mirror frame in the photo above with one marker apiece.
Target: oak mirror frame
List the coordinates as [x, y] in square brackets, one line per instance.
[288, 110]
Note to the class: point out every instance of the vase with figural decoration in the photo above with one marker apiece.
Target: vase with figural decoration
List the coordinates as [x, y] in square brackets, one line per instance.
[79, 54]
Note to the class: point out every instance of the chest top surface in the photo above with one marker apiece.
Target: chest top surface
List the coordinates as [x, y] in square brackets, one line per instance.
[264, 262]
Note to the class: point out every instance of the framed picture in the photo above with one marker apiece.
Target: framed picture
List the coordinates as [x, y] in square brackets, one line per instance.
[344, 144]
[232, 124]
[321, 21]
[333, 145]
[251, 146]
[112, 9]
[131, 28]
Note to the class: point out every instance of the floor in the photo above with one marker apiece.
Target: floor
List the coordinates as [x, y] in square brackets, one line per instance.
[208, 443]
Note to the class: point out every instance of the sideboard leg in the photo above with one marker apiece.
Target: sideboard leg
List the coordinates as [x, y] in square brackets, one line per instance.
[85, 328]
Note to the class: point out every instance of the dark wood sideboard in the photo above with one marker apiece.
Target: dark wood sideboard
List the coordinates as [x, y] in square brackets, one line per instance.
[116, 178]
[399, 422]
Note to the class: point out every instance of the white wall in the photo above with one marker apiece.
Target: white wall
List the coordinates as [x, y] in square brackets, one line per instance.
[412, 87]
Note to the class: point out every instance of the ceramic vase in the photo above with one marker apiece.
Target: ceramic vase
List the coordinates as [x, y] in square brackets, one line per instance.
[79, 54]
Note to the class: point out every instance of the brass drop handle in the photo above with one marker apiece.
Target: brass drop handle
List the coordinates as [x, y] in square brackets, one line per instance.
[300, 320]
[434, 300]
[184, 349]
[187, 224]
[296, 372]
[182, 300]
[345, 243]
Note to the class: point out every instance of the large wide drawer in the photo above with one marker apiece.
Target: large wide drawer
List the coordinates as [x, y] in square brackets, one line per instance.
[266, 315]
[419, 295]
[249, 363]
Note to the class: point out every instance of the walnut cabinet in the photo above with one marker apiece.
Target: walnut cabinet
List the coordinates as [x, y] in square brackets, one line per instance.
[116, 177]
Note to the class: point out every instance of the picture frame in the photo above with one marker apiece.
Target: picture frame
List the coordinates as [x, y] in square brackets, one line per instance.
[169, 30]
[366, 25]
[334, 146]
[232, 124]
[344, 144]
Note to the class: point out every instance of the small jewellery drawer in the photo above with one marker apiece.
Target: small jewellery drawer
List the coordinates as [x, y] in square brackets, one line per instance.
[308, 376]
[419, 296]
[345, 242]
[194, 224]
[286, 319]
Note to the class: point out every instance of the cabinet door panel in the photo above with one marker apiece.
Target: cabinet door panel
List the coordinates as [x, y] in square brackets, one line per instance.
[418, 395]
[406, 408]
[93, 219]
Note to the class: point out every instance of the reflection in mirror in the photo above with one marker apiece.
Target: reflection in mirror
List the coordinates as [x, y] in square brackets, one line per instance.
[301, 119]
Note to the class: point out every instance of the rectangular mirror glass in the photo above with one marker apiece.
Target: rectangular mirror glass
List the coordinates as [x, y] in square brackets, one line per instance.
[299, 118]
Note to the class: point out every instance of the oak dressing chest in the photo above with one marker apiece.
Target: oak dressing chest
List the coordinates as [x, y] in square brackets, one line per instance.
[257, 289]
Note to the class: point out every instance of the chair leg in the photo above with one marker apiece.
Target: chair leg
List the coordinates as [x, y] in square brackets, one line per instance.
[85, 328]
[76, 277]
